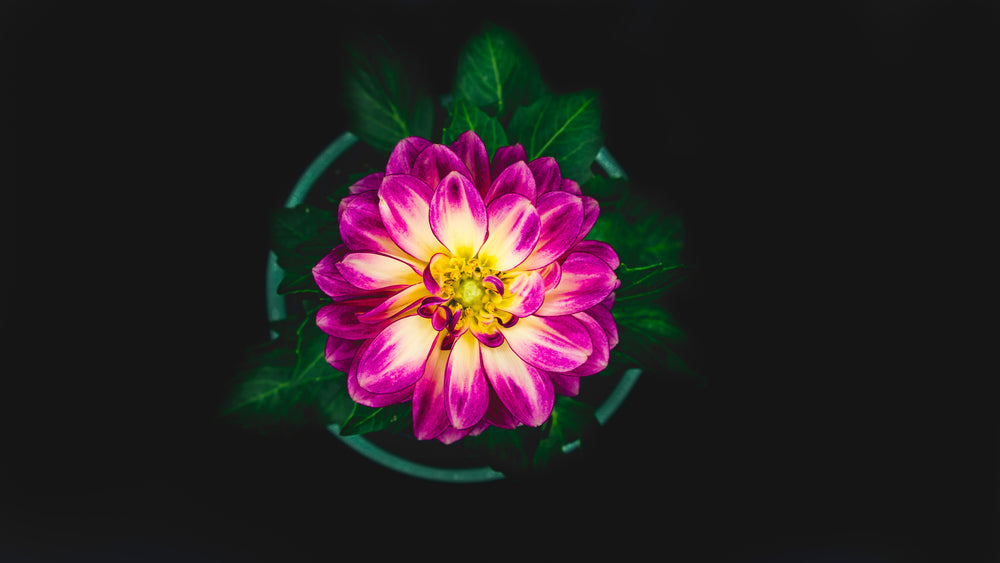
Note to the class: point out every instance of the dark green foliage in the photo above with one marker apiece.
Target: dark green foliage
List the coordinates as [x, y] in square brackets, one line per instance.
[367, 419]
[565, 127]
[383, 100]
[638, 229]
[301, 236]
[289, 382]
[496, 74]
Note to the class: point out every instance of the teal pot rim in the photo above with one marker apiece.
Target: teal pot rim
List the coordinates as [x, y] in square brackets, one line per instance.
[276, 310]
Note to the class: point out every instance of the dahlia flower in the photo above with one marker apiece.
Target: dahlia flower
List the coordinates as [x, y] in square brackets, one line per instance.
[466, 287]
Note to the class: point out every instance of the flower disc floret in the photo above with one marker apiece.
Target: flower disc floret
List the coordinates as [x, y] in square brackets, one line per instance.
[465, 286]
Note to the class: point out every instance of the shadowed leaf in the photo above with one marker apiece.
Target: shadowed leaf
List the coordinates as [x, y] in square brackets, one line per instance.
[385, 103]
[565, 127]
[496, 74]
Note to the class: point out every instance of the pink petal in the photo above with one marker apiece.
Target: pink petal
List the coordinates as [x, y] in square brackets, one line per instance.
[515, 179]
[467, 394]
[368, 270]
[437, 161]
[404, 204]
[490, 337]
[551, 275]
[330, 281]
[591, 210]
[600, 249]
[344, 202]
[458, 215]
[361, 227]
[561, 216]
[471, 150]
[340, 352]
[546, 173]
[479, 428]
[498, 415]
[524, 294]
[505, 156]
[430, 415]
[565, 384]
[368, 183]
[598, 359]
[397, 303]
[513, 231]
[341, 319]
[550, 343]
[404, 153]
[441, 318]
[586, 281]
[397, 356]
[496, 282]
[452, 435]
[570, 186]
[525, 390]
[365, 397]
[602, 314]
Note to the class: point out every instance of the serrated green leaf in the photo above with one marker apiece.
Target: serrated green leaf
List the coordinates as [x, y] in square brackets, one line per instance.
[466, 117]
[565, 127]
[385, 103]
[367, 419]
[496, 73]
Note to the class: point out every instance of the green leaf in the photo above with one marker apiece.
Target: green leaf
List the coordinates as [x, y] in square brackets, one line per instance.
[496, 73]
[509, 451]
[647, 282]
[640, 231]
[367, 419]
[570, 419]
[565, 127]
[303, 224]
[298, 280]
[385, 103]
[652, 321]
[301, 236]
[283, 385]
[648, 338]
[466, 117]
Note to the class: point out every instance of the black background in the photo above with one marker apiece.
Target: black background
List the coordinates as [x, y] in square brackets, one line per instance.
[815, 155]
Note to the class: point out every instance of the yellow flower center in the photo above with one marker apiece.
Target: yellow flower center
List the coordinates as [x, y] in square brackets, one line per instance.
[470, 293]
[463, 282]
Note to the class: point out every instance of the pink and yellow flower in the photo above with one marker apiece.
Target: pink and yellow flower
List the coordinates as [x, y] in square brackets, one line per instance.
[467, 287]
